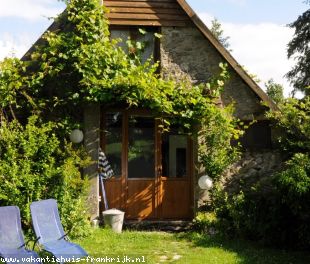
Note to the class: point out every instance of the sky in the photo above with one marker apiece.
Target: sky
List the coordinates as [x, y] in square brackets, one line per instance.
[257, 29]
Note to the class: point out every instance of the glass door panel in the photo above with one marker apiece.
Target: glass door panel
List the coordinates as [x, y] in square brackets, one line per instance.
[141, 147]
[113, 141]
[174, 155]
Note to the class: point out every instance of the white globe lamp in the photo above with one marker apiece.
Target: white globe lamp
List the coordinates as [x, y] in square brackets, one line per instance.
[205, 182]
[76, 136]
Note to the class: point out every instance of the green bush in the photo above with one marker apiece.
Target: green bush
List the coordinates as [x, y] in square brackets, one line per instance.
[274, 212]
[205, 222]
[293, 187]
[34, 165]
[276, 208]
[218, 130]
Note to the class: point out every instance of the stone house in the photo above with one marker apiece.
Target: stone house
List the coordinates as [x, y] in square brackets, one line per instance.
[155, 176]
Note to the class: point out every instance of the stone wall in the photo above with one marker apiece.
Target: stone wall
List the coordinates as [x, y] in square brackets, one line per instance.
[91, 143]
[251, 168]
[186, 53]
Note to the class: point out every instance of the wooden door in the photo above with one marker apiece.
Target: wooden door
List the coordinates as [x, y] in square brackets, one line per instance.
[141, 174]
[112, 142]
[152, 170]
[176, 197]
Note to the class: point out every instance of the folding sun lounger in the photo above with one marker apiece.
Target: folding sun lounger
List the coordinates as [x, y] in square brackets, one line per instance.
[50, 233]
[12, 244]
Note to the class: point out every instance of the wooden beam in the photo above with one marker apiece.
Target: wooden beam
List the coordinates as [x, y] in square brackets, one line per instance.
[159, 1]
[144, 10]
[148, 4]
[130, 22]
[148, 17]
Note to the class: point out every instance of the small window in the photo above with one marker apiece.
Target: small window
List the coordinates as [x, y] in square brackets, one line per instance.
[147, 39]
[257, 136]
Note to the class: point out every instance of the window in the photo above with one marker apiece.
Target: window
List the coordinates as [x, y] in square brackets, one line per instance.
[141, 147]
[113, 141]
[174, 155]
[148, 39]
[257, 136]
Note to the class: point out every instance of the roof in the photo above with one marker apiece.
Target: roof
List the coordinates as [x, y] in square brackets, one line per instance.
[146, 13]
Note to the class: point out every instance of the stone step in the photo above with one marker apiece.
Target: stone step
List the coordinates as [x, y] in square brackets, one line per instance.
[167, 226]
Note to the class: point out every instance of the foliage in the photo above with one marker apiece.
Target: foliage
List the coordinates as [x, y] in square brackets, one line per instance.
[34, 166]
[7, 78]
[299, 49]
[275, 209]
[80, 64]
[217, 131]
[77, 63]
[274, 91]
[218, 32]
[294, 119]
[205, 222]
[275, 212]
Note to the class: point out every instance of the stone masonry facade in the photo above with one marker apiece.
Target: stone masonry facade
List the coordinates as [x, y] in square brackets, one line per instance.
[187, 53]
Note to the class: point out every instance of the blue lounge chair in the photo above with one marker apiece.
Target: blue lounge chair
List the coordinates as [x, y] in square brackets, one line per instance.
[12, 244]
[50, 233]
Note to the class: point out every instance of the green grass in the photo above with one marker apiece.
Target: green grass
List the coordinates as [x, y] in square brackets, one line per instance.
[160, 247]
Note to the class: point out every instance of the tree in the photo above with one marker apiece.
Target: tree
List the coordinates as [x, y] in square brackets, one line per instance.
[299, 49]
[274, 91]
[218, 32]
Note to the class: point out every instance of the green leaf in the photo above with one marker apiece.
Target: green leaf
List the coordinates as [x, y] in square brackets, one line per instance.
[142, 31]
[157, 35]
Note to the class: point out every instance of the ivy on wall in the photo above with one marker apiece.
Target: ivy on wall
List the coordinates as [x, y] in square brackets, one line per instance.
[77, 63]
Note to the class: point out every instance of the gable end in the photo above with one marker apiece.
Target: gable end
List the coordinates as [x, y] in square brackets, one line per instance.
[146, 13]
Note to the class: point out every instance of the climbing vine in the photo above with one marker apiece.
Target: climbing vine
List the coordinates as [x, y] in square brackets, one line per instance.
[76, 62]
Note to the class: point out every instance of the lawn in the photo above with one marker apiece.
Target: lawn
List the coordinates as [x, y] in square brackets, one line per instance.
[160, 247]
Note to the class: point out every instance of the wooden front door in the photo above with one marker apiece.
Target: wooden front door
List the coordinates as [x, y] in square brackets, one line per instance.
[152, 170]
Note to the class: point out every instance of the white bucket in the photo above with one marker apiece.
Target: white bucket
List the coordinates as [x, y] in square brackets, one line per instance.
[114, 219]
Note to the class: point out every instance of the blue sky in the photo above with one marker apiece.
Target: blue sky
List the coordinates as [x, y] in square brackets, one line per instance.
[251, 11]
[257, 29]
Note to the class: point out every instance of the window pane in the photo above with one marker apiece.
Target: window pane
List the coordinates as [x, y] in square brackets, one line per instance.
[174, 155]
[147, 40]
[141, 149]
[113, 139]
[122, 34]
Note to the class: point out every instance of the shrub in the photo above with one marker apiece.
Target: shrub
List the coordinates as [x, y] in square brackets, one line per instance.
[293, 188]
[274, 212]
[218, 130]
[34, 165]
[276, 208]
[206, 222]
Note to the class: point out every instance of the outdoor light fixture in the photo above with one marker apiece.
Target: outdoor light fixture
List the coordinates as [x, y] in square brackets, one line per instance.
[76, 136]
[205, 182]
